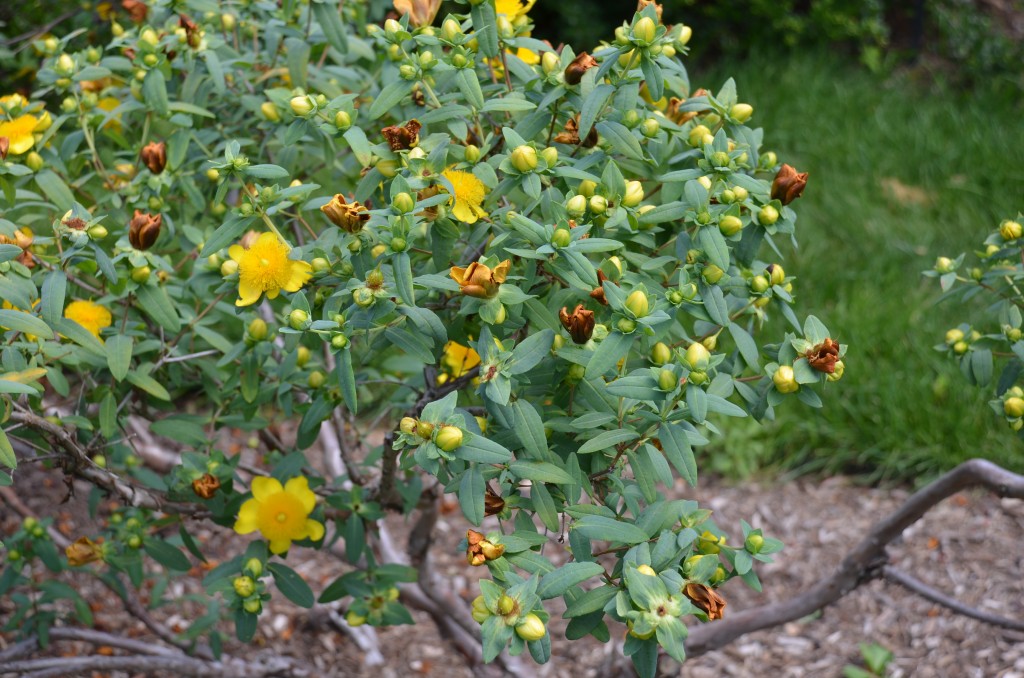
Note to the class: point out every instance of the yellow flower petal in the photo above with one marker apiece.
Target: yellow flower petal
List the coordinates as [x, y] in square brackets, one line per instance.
[279, 546]
[247, 294]
[299, 487]
[248, 517]
[236, 252]
[19, 133]
[314, 530]
[469, 195]
[263, 487]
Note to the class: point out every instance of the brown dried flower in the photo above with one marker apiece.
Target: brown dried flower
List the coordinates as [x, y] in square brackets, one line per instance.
[706, 598]
[348, 216]
[788, 185]
[480, 281]
[580, 65]
[598, 292]
[421, 12]
[824, 356]
[22, 238]
[144, 229]
[403, 138]
[644, 3]
[154, 156]
[493, 503]
[571, 134]
[137, 10]
[83, 551]
[579, 324]
[480, 550]
[5, 146]
[206, 486]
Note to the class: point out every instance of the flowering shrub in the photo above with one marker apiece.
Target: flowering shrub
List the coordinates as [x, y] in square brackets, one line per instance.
[997, 276]
[543, 276]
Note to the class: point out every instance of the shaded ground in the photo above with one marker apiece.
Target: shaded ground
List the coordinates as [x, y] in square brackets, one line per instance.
[970, 547]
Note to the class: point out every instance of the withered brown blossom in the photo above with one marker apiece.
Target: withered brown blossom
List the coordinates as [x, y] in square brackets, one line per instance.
[402, 138]
[788, 184]
[706, 598]
[824, 356]
[579, 323]
[144, 229]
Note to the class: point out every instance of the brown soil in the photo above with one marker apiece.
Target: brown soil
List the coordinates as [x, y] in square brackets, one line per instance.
[969, 547]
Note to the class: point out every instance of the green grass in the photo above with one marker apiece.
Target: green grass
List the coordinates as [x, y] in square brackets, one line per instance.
[902, 411]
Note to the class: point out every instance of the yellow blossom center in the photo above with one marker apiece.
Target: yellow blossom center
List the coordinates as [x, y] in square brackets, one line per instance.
[89, 315]
[469, 195]
[265, 267]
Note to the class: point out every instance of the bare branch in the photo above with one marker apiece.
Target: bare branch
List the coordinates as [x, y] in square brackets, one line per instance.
[934, 595]
[864, 563]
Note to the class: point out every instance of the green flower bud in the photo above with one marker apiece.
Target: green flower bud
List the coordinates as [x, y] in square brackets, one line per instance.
[712, 274]
[451, 29]
[561, 237]
[634, 194]
[675, 297]
[354, 619]
[684, 36]
[576, 206]
[650, 128]
[741, 193]
[253, 606]
[697, 134]
[140, 274]
[785, 380]
[697, 356]
[631, 118]
[524, 158]
[741, 112]
[298, 319]
[244, 586]
[407, 72]
[768, 215]
[460, 61]
[98, 232]
[254, 566]
[427, 60]
[472, 153]
[769, 160]
[661, 353]
[316, 379]
[258, 329]
[625, 325]
[667, 380]
[339, 342]
[403, 203]
[598, 204]
[575, 374]
[408, 425]
[302, 106]
[645, 31]
[637, 303]
[838, 371]
[135, 542]
[507, 605]
[954, 335]
[302, 356]
[753, 543]
[531, 627]
[550, 155]
[720, 159]
[449, 438]
[424, 429]
[362, 297]
[730, 225]
[1014, 407]
[776, 274]
[342, 120]
[550, 63]
[1010, 230]
[479, 609]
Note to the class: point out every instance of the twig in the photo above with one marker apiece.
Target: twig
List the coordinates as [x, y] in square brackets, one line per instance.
[864, 563]
[934, 595]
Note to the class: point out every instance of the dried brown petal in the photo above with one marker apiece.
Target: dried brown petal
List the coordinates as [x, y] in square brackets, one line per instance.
[644, 3]
[579, 324]
[348, 216]
[206, 486]
[580, 65]
[154, 156]
[478, 280]
[421, 12]
[144, 229]
[83, 551]
[403, 138]
[788, 185]
[5, 145]
[136, 9]
[493, 503]
[571, 134]
[824, 356]
[706, 598]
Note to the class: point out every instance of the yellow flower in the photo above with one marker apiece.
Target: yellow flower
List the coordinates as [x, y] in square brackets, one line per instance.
[265, 267]
[458, 359]
[108, 104]
[281, 514]
[512, 9]
[469, 194]
[89, 315]
[528, 56]
[19, 133]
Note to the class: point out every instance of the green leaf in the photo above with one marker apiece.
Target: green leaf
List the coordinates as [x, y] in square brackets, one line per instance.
[512, 104]
[389, 97]
[676, 447]
[544, 505]
[82, 337]
[19, 321]
[54, 291]
[266, 171]
[608, 529]
[469, 85]
[746, 345]
[292, 585]
[226, 234]
[541, 472]
[245, 625]
[621, 139]
[530, 430]
[609, 352]
[591, 601]
[485, 25]
[169, 556]
[531, 351]
[483, 450]
[471, 495]
[592, 107]
[156, 303]
[711, 240]
[55, 189]
[154, 92]
[607, 440]
[7, 457]
[347, 379]
[119, 355]
[402, 269]
[9, 252]
[148, 384]
[326, 14]
[556, 583]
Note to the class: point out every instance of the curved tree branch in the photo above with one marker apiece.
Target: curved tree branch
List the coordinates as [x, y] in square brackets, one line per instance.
[934, 595]
[864, 563]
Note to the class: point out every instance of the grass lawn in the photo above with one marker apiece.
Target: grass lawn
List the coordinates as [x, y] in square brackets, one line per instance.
[901, 171]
